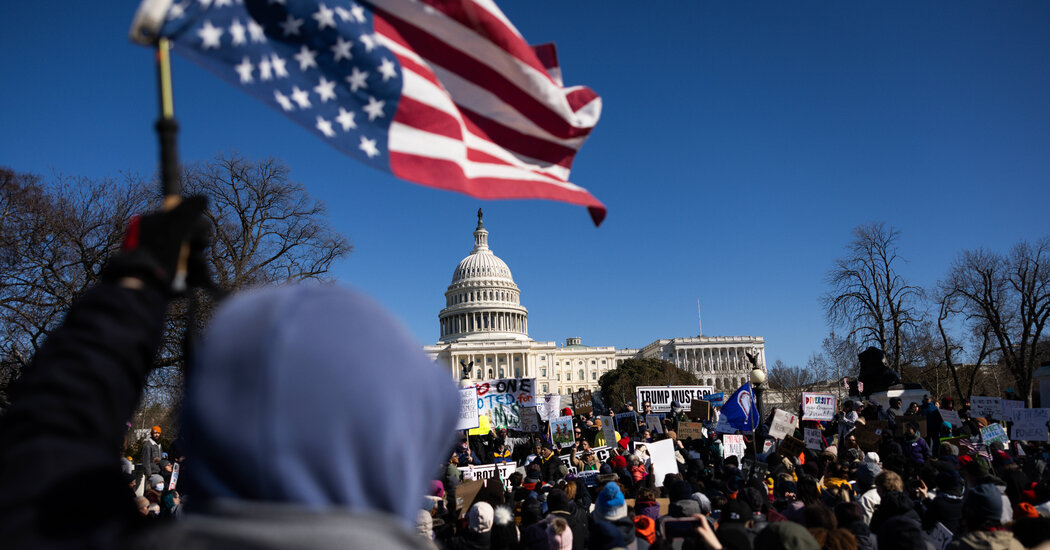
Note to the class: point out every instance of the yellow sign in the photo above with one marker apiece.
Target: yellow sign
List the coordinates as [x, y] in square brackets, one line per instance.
[483, 426]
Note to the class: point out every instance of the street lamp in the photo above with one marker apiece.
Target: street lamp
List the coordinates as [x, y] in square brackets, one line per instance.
[758, 377]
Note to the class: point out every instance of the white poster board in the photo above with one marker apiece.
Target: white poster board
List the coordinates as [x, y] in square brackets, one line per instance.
[814, 440]
[660, 397]
[784, 423]
[818, 406]
[951, 417]
[468, 409]
[733, 445]
[985, 407]
[1030, 425]
[992, 433]
[661, 453]
[1011, 406]
[548, 406]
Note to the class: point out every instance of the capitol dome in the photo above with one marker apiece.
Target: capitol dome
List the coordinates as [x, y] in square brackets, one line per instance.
[482, 302]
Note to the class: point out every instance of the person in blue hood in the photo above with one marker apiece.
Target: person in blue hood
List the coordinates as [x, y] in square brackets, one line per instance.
[287, 415]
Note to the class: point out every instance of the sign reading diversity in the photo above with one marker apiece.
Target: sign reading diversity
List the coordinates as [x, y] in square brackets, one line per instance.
[660, 397]
[818, 406]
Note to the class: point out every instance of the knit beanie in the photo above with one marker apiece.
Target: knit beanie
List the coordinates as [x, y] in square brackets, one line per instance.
[983, 503]
[610, 504]
[480, 517]
[703, 501]
[557, 501]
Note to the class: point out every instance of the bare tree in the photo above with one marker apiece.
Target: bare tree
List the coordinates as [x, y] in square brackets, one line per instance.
[789, 381]
[1009, 297]
[868, 296]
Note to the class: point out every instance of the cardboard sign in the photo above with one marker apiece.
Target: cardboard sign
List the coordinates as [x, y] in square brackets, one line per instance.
[986, 407]
[660, 397]
[627, 423]
[733, 445]
[561, 432]
[688, 430]
[1030, 425]
[818, 406]
[1010, 407]
[654, 424]
[869, 436]
[814, 439]
[468, 409]
[715, 399]
[484, 426]
[904, 420]
[663, 503]
[992, 433]
[608, 430]
[700, 410]
[791, 447]
[174, 476]
[548, 407]
[530, 420]
[581, 402]
[661, 454]
[784, 423]
[951, 417]
[466, 492]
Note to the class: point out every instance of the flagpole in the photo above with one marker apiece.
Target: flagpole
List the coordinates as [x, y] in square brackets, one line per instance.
[167, 128]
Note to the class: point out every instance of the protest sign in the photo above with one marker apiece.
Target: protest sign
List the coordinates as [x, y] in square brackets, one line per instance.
[814, 439]
[581, 402]
[466, 492]
[506, 391]
[754, 468]
[484, 426]
[992, 433]
[608, 430]
[174, 476]
[818, 406]
[791, 447]
[627, 423]
[660, 397]
[661, 454]
[561, 432]
[1030, 425]
[869, 436]
[715, 399]
[530, 420]
[548, 407]
[506, 416]
[1010, 406]
[784, 423]
[602, 453]
[699, 410]
[767, 445]
[903, 421]
[733, 445]
[985, 407]
[951, 417]
[694, 430]
[589, 477]
[488, 471]
[468, 409]
[653, 423]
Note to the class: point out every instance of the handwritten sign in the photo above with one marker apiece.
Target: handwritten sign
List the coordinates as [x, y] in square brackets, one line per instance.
[660, 397]
[468, 409]
[507, 416]
[530, 420]
[1010, 407]
[694, 430]
[791, 447]
[506, 391]
[869, 436]
[700, 410]
[733, 445]
[581, 402]
[627, 423]
[814, 439]
[608, 430]
[548, 406]
[994, 432]
[653, 423]
[818, 406]
[484, 426]
[1030, 425]
[985, 407]
[561, 432]
[784, 423]
[951, 417]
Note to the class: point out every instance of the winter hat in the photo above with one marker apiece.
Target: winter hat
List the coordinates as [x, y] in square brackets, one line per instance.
[623, 443]
[679, 490]
[871, 457]
[155, 479]
[566, 411]
[978, 468]
[155, 429]
[437, 489]
[531, 511]
[610, 505]
[785, 535]
[480, 517]
[605, 469]
[557, 501]
[163, 463]
[736, 511]
[703, 501]
[619, 462]
[559, 536]
[866, 473]
[605, 536]
[983, 503]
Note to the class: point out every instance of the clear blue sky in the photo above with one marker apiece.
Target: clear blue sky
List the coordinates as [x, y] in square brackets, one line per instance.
[740, 143]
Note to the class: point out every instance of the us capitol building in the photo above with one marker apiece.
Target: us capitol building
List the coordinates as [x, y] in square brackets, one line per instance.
[484, 322]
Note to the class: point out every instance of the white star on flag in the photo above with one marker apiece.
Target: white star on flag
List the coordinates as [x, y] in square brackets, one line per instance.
[359, 12]
[265, 69]
[374, 108]
[291, 25]
[278, 66]
[369, 147]
[286, 103]
[369, 41]
[256, 31]
[237, 31]
[210, 36]
[357, 79]
[325, 89]
[341, 49]
[325, 127]
[306, 57]
[346, 119]
[221, 3]
[388, 69]
[324, 16]
[301, 97]
[343, 14]
[245, 70]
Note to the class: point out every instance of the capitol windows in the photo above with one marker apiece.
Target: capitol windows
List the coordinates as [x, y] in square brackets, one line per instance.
[543, 372]
[593, 362]
[568, 375]
[490, 374]
[580, 373]
[545, 390]
[594, 376]
[559, 377]
[501, 372]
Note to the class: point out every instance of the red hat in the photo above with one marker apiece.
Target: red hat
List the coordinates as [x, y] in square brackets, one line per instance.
[566, 411]
[624, 443]
[619, 462]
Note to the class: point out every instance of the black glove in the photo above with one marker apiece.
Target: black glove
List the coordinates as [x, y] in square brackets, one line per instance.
[153, 245]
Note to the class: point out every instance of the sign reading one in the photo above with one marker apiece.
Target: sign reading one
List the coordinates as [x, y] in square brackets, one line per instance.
[818, 406]
[660, 397]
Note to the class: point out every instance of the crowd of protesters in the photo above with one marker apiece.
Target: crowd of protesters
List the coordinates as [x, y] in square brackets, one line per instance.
[310, 419]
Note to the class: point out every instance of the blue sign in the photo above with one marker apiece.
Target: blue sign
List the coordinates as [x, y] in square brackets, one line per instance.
[716, 399]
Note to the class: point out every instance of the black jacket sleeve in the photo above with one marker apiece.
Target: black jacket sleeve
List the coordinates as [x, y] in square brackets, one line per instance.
[60, 481]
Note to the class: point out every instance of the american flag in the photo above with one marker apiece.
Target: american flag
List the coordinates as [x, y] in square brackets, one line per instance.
[445, 93]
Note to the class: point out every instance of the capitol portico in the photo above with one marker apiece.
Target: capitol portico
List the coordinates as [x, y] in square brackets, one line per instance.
[484, 323]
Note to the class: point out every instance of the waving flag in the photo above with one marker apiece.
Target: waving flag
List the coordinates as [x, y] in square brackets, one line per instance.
[740, 409]
[445, 93]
